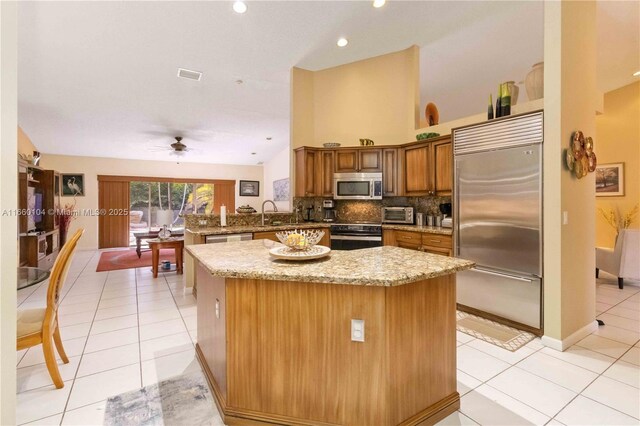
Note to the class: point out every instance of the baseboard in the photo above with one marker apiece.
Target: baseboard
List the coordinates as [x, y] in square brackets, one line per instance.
[564, 344]
[188, 290]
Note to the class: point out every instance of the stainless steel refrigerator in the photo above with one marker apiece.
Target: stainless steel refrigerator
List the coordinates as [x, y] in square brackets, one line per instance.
[498, 217]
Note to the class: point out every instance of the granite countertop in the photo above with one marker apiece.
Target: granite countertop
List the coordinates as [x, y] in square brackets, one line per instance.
[414, 228]
[379, 266]
[219, 230]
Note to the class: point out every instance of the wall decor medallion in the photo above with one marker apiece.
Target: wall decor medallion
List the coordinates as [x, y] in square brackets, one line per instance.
[610, 180]
[580, 158]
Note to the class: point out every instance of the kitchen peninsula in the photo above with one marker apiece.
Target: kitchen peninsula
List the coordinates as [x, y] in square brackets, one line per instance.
[278, 343]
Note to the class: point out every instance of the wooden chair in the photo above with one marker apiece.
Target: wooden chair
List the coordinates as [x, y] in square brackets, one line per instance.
[40, 325]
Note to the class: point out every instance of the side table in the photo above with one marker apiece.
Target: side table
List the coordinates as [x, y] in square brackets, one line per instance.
[157, 244]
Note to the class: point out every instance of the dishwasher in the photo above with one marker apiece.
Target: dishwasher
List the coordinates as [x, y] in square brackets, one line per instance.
[212, 239]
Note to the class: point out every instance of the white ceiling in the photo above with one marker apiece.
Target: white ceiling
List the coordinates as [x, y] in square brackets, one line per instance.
[99, 78]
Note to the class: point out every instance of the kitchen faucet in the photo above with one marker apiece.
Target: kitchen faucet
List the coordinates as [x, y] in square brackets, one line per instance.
[275, 208]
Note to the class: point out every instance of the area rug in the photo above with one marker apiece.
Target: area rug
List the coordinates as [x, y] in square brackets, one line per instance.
[506, 337]
[126, 259]
[181, 400]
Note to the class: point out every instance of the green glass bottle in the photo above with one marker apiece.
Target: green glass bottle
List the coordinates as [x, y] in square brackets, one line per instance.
[499, 102]
[490, 108]
[505, 101]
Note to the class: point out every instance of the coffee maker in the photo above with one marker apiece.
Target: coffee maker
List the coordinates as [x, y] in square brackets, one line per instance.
[329, 208]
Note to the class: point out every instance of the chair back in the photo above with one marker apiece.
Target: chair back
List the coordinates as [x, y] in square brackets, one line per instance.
[59, 273]
[629, 240]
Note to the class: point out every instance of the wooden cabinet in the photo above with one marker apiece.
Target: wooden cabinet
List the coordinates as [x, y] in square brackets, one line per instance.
[416, 173]
[427, 168]
[306, 159]
[39, 251]
[424, 241]
[390, 172]
[442, 167]
[324, 174]
[358, 160]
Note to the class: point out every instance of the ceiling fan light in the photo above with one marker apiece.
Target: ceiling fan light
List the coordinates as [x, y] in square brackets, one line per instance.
[239, 7]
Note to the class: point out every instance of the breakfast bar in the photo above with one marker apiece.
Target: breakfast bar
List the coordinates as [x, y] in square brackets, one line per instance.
[361, 337]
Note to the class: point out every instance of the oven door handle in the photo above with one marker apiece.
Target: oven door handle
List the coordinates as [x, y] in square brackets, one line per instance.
[355, 238]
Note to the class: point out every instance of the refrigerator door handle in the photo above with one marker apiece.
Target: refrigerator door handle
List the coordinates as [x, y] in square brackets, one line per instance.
[498, 274]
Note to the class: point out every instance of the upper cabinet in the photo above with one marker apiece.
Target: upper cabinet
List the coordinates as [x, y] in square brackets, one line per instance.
[314, 172]
[306, 159]
[427, 168]
[416, 169]
[357, 160]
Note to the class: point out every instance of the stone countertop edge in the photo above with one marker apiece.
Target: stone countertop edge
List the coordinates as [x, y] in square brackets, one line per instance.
[415, 228]
[251, 260]
[219, 230]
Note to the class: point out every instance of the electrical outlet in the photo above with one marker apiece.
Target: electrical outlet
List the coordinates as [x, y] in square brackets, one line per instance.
[357, 330]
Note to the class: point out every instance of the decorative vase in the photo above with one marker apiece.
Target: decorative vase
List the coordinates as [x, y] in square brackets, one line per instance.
[514, 90]
[534, 82]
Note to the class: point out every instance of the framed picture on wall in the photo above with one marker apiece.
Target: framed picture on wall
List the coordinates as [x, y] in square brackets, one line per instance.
[610, 180]
[249, 188]
[72, 184]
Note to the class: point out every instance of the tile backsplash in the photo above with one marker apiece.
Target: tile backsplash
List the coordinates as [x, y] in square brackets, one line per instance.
[370, 211]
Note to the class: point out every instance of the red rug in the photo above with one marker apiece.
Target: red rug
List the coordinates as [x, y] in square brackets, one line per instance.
[127, 259]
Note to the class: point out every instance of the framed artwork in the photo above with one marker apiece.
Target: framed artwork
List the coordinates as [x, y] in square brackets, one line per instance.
[249, 188]
[72, 184]
[281, 190]
[610, 180]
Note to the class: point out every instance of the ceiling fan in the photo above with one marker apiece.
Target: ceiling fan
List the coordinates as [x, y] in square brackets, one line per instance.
[177, 148]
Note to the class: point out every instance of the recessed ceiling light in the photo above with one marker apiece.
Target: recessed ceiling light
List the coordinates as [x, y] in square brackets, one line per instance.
[342, 42]
[269, 138]
[378, 3]
[239, 7]
[253, 153]
[636, 74]
[239, 81]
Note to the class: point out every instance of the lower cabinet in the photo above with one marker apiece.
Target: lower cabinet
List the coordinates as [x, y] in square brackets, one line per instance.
[427, 242]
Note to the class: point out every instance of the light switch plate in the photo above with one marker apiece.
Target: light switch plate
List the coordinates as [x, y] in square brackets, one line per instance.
[357, 330]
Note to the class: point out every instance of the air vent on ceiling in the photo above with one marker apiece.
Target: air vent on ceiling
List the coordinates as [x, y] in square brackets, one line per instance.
[191, 75]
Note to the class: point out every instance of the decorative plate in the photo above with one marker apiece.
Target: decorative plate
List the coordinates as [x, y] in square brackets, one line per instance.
[593, 161]
[431, 114]
[315, 252]
[588, 144]
[570, 159]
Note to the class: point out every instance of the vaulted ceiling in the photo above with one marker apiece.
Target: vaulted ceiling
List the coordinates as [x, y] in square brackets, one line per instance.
[99, 78]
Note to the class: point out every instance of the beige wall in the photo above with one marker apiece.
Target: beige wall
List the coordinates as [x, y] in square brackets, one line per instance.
[8, 201]
[275, 169]
[25, 146]
[375, 98]
[93, 166]
[618, 141]
[570, 102]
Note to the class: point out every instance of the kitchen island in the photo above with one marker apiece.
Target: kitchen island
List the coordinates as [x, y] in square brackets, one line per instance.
[276, 340]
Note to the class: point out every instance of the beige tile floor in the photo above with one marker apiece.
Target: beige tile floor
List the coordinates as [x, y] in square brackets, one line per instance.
[124, 329]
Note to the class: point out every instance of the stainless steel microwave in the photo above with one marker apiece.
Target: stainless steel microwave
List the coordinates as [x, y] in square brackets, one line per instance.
[357, 186]
[397, 215]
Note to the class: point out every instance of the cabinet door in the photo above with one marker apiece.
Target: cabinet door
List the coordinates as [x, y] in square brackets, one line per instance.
[324, 176]
[346, 161]
[442, 167]
[416, 174]
[369, 160]
[390, 172]
[305, 172]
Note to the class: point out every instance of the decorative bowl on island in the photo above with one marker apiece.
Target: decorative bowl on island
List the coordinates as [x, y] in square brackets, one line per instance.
[300, 240]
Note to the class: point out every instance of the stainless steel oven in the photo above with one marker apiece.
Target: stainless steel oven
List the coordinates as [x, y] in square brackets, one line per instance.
[353, 236]
[357, 186]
